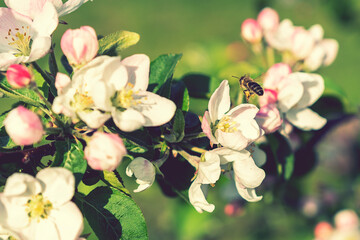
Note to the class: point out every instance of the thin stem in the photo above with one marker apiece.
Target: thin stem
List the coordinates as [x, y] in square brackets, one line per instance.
[52, 61]
[270, 56]
[194, 136]
[43, 74]
[193, 148]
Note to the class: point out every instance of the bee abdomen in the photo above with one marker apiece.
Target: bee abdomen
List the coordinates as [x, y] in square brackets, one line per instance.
[256, 88]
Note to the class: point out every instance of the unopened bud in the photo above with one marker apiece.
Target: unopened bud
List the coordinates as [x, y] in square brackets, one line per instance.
[251, 31]
[18, 76]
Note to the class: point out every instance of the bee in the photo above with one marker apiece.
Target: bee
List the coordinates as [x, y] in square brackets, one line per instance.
[249, 86]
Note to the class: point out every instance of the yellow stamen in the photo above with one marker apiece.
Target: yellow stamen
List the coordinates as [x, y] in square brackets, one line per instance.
[226, 124]
[38, 207]
[20, 40]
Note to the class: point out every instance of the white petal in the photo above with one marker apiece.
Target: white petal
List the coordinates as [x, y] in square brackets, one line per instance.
[305, 119]
[234, 140]
[210, 170]
[44, 230]
[39, 48]
[156, 110]
[197, 198]
[94, 118]
[28, 8]
[128, 120]
[250, 129]
[46, 21]
[243, 111]
[315, 58]
[70, 6]
[205, 126]
[248, 194]
[59, 184]
[138, 67]
[313, 85]
[101, 93]
[143, 185]
[275, 74]
[227, 155]
[13, 212]
[317, 32]
[331, 47]
[290, 93]
[143, 170]
[22, 184]
[219, 102]
[7, 59]
[247, 173]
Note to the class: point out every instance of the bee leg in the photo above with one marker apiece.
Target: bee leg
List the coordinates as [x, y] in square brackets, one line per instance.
[247, 94]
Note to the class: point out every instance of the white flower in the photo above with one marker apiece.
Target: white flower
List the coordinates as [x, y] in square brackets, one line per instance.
[281, 37]
[40, 208]
[23, 39]
[31, 8]
[143, 170]
[295, 92]
[234, 129]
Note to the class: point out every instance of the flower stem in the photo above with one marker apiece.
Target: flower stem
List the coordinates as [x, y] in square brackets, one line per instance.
[52, 61]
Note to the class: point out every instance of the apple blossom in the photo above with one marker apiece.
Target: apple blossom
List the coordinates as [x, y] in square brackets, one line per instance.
[269, 118]
[295, 92]
[41, 207]
[79, 45]
[268, 19]
[32, 8]
[23, 126]
[23, 39]
[61, 81]
[346, 220]
[143, 170]
[302, 43]
[251, 31]
[281, 38]
[234, 129]
[104, 151]
[18, 76]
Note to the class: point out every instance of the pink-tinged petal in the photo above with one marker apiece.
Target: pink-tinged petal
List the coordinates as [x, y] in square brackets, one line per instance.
[205, 126]
[302, 43]
[269, 118]
[289, 94]
[39, 48]
[61, 81]
[331, 47]
[94, 118]
[247, 173]
[268, 19]
[138, 67]
[156, 110]
[56, 178]
[209, 171]
[243, 111]
[251, 31]
[275, 75]
[219, 102]
[197, 198]
[70, 6]
[18, 76]
[46, 21]
[313, 85]
[281, 38]
[317, 32]
[28, 8]
[128, 120]
[248, 194]
[315, 58]
[323, 230]
[232, 140]
[270, 97]
[305, 119]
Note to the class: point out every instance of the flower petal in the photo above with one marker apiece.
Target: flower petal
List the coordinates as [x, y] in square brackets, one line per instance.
[144, 172]
[128, 120]
[138, 67]
[210, 170]
[305, 119]
[39, 48]
[7, 59]
[22, 184]
[233, 140]
[331, 47]
[205, 126]
[228, 155]
[243, 111]
[219, 102]
[248, 194]
[94, 118]
[275, 74]
[247, 173]
[13, 213]
[46, 21]
[156, 110]
[197, 198]
[59, 184]
[290, 93]
[313, 85]
[70, 6]
[28, 8]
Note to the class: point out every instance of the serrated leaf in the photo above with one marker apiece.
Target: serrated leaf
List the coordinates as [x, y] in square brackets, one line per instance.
[114, 43]
[70, 155]
[162, 69]
[283, 154]
[113, 215]
[113, 179]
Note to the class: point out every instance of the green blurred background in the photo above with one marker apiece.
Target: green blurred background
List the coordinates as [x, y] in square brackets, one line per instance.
[203, 29]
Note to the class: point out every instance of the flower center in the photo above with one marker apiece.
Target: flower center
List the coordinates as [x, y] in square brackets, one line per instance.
[82, 102]
[226, 124]
[20, 39]
[124, 98]
[38, 207]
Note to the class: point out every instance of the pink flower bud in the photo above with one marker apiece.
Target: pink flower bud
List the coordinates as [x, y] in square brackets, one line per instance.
[79, 45]
[251, 31]
[275, 74]
[104, 151]
[268, 19]
[269, 118]
[61, 81]
[23, 126]
[270, 96]
[323, 231]
[302, 43]
[18, 76]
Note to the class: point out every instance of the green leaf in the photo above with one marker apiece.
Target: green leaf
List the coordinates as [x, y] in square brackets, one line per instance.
[133, 147]
[178, 126]
[70, 155]
[114, 43]
[113, 179]
[283, 154]
[180, 95]
[113, 215]
[199, 85]
[162, 69]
